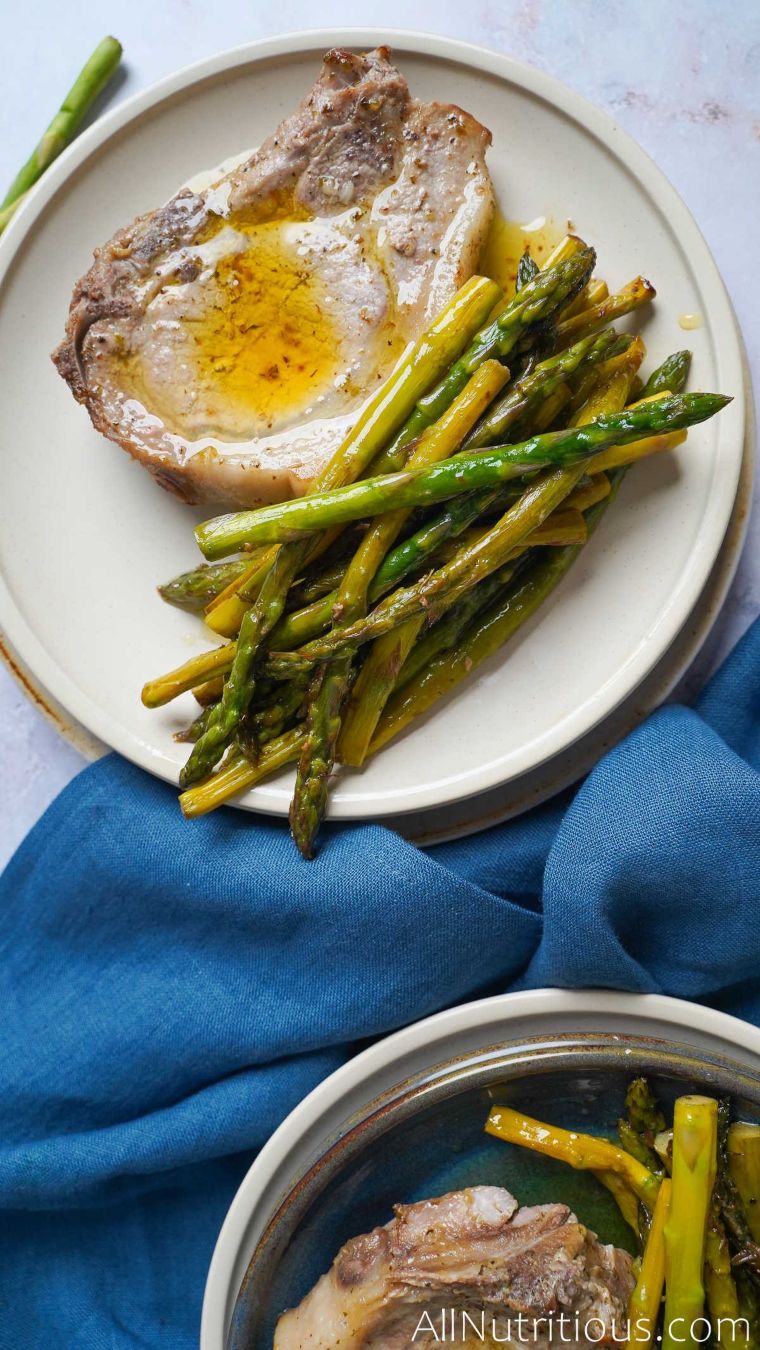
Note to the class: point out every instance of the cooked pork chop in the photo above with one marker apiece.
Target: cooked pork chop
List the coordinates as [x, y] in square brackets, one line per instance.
[471, 1254]
[229, 339]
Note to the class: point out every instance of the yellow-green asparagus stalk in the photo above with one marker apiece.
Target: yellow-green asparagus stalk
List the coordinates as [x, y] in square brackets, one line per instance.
[90, 82]
[744, 1167]
[645, 1301]
[582, 1151]
[695, 1139]
[720, 1287]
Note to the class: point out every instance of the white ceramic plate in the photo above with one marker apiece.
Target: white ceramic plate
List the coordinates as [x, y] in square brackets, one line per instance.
[343, 1098]
[85, 535]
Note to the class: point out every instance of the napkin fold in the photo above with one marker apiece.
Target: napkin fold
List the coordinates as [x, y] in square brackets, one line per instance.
[170, 990]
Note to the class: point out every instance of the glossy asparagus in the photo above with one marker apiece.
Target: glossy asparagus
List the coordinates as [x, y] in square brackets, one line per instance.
[695, 1124]
[462, 473]
[669, 377]
[583, 1151]
[90, 82]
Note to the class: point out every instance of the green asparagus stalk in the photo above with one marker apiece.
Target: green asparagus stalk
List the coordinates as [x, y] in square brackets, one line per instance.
[695, 1121]
[194, 590]
[463, 473]
[720, 1287]
[431, 354]
[90, 82]
[645, 1301]
[315, 762]
[637, 292]
[641, 1124]
[743, 1147]
[583, 1151]
[670, 377]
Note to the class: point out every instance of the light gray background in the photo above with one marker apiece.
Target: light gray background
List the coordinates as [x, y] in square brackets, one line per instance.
[679, 75]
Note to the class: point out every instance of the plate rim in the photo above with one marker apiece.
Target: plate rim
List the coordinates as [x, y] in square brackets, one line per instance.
[662, 196]
[694, 1021]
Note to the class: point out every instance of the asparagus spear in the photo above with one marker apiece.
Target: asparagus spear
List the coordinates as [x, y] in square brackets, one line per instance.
[199, 668]
[645, 1301]
[431, 354]
[720, 1287]
[193, 590]
[669, 377]
[582, 1151]
[90, 82]
[695, 1122]
[636, 293]
[643, 1120]
[743, 1146]
[451, 477]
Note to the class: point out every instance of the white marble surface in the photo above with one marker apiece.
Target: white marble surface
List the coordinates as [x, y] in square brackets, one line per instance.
[680, 76]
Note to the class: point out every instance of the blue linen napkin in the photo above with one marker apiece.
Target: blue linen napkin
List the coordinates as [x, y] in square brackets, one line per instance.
[171, 990]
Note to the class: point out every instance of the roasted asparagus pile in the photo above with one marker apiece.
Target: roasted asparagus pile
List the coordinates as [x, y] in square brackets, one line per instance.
[466, 490]
[691, 1194]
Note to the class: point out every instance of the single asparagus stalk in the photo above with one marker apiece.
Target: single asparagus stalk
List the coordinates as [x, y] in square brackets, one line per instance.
[671, 375]
[194, 590]
[744, 1168]
[695, 1125]
[720, 1287]
[645, 1301]
[732, 1210]
[491, 630]
[543, 380]
[188, 676]
[89, 83]
[582, 1151]
[238, 774]
[642, 1122]
[451, 477]
[427, 358]
[637, 292]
